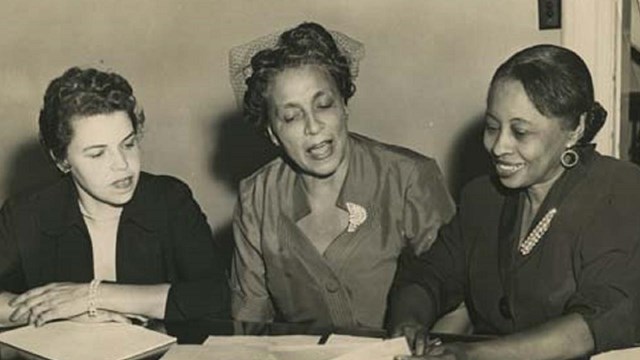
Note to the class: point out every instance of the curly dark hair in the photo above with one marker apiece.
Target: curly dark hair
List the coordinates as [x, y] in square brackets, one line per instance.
[558, 83]
[83, 92]
[308, 43]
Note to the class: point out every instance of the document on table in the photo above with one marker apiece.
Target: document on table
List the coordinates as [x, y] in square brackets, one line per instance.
[289, 348]
[624, 354]
[273, 340]
[226, 352]
[67, 340]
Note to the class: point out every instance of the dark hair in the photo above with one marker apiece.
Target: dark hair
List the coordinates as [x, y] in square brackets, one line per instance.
[558, 83]
[83, 92]
[308, 43]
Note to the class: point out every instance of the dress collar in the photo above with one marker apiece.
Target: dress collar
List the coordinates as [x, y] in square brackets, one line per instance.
[62, 211]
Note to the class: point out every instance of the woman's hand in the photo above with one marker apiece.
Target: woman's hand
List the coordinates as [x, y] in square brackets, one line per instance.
[453, 351]
[51, 302]
[417, 336]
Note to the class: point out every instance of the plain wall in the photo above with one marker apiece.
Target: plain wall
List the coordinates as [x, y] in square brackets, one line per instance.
[422, 83]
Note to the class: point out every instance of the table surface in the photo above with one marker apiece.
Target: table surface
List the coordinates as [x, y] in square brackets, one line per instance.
[196, 332]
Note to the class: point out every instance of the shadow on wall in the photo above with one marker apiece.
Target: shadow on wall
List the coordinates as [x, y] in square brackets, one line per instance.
[238, 151]
[29, 169]
[469, 159]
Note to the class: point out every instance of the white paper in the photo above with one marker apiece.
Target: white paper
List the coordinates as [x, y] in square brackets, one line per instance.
[312, 352]
[224, 352]
[277, 340]
[67, 340]
[625, 354]
[296, 347]
[383, 350]
[349, 339]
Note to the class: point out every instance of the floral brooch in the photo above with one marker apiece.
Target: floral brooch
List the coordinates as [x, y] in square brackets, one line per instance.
[357, 216]
[537, 233]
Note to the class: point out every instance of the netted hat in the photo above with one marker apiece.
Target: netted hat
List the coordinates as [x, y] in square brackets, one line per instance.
[240, 58]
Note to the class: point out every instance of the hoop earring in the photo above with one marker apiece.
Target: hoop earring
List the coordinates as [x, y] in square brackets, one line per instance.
[569, 158]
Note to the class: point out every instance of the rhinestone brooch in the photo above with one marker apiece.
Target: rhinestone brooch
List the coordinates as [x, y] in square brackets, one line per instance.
[357, 216]
[537, 233]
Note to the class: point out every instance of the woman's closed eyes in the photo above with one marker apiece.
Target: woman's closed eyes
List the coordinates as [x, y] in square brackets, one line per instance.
[98, 151]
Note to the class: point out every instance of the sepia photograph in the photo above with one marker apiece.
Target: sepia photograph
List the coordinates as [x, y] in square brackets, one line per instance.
[319, 180]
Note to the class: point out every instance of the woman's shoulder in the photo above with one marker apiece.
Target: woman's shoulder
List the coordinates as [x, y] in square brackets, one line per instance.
[390, 154]
[160, 181]
[161, 188]
[53, 194]
[484, 190]
[268, 175]
[615, 175]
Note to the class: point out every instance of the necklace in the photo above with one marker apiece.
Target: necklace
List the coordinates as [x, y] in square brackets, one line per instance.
[537, 233]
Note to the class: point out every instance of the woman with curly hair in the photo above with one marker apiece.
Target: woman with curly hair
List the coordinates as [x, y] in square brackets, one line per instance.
[319, 230]
[106, 240]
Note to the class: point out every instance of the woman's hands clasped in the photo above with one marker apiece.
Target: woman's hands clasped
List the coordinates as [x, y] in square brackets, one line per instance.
[52, 302]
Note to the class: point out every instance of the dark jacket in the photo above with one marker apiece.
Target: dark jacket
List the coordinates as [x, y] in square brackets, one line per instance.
[588, 262]
[163, 237]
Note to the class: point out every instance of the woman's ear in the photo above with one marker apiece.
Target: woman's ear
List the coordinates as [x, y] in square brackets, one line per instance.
[62, 165]
[577, 133]
[272, 136]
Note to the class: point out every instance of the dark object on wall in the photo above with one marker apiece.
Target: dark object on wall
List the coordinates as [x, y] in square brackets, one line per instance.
[634, 118]
[549, 14]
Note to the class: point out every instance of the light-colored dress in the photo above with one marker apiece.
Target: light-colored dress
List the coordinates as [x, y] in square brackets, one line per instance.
[279, 275]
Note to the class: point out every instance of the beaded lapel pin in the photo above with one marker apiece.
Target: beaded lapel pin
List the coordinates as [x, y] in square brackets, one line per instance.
[537, 233]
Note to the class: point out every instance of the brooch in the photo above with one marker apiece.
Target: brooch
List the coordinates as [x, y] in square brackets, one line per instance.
[357, 216]
[537, 233]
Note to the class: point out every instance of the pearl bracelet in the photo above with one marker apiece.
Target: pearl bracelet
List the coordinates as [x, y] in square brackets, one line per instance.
[92, 308]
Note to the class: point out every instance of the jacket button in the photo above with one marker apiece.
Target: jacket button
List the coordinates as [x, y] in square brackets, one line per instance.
[505, 309]
[332, 286]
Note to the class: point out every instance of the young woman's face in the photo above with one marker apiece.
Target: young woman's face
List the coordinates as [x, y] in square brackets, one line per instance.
[524, 144]
[104, 158]
[308, 118]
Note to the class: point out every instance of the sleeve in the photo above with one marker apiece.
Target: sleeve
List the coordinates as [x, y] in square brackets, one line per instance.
[428, 205]
[11, 276]
[431, 284]
[200, 289]
[250, 298]
[609, 278]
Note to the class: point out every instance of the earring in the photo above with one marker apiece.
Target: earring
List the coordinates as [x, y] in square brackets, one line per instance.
[63, 167]
[272, 137]
[569, 158]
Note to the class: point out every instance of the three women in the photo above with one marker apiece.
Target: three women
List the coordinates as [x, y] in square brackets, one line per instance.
[544, 252]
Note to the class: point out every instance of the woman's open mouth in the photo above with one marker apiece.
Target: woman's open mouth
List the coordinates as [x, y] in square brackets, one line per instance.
[321, 150]
[124, 183]
[506, 169]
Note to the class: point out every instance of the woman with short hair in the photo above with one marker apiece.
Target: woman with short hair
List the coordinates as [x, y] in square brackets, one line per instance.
[106, 240]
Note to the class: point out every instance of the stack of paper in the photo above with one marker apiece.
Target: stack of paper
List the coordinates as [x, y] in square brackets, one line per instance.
[66, 340]
[624, 354]
[297, 347]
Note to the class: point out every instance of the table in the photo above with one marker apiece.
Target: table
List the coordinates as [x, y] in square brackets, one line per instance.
[196, 332]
